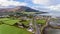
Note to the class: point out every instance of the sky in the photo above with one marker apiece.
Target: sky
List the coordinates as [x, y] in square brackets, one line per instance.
[42, 5]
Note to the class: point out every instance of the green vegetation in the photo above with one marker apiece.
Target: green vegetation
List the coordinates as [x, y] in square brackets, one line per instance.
[26, 22]
[8, 21]
[7, 25]
[7, 29]
[41, 21]
[29, 12]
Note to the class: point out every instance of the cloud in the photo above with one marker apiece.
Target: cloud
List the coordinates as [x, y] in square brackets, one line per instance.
[54, 7]
[11, 3]
[48, 5]
[47, 8]
[44, 2]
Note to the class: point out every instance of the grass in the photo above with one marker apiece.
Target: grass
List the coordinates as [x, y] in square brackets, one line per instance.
[29, 12]
[7, 29]
[25, 22]
[41, 21]
[13, 21]
[8, 21]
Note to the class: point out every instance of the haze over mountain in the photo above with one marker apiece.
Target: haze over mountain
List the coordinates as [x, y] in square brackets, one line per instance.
[6, 11]
[18, 8]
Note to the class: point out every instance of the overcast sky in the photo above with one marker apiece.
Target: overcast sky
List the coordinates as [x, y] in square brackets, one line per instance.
[44, 5]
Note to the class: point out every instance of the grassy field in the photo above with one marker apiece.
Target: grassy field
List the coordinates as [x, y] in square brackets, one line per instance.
[8, 21]
[7, 29]
[29, 12]
[26, 22]
[41, 21]
[13, 21]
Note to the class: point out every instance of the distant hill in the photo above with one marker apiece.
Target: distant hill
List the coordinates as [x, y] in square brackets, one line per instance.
[18, 8]
[5, 11]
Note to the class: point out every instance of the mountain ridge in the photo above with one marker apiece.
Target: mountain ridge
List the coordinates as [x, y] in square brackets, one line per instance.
[18, 8]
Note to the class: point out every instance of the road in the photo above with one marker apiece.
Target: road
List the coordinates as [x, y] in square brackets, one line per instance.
[36, 27]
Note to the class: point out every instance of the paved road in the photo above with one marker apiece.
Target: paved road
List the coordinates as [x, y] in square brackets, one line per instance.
[36, 27]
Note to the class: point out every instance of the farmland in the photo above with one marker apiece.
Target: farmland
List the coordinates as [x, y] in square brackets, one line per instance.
[7, 25]
[7, 28]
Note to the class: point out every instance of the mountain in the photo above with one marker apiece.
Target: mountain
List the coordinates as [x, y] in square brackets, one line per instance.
[17, 9]
[28, 9]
